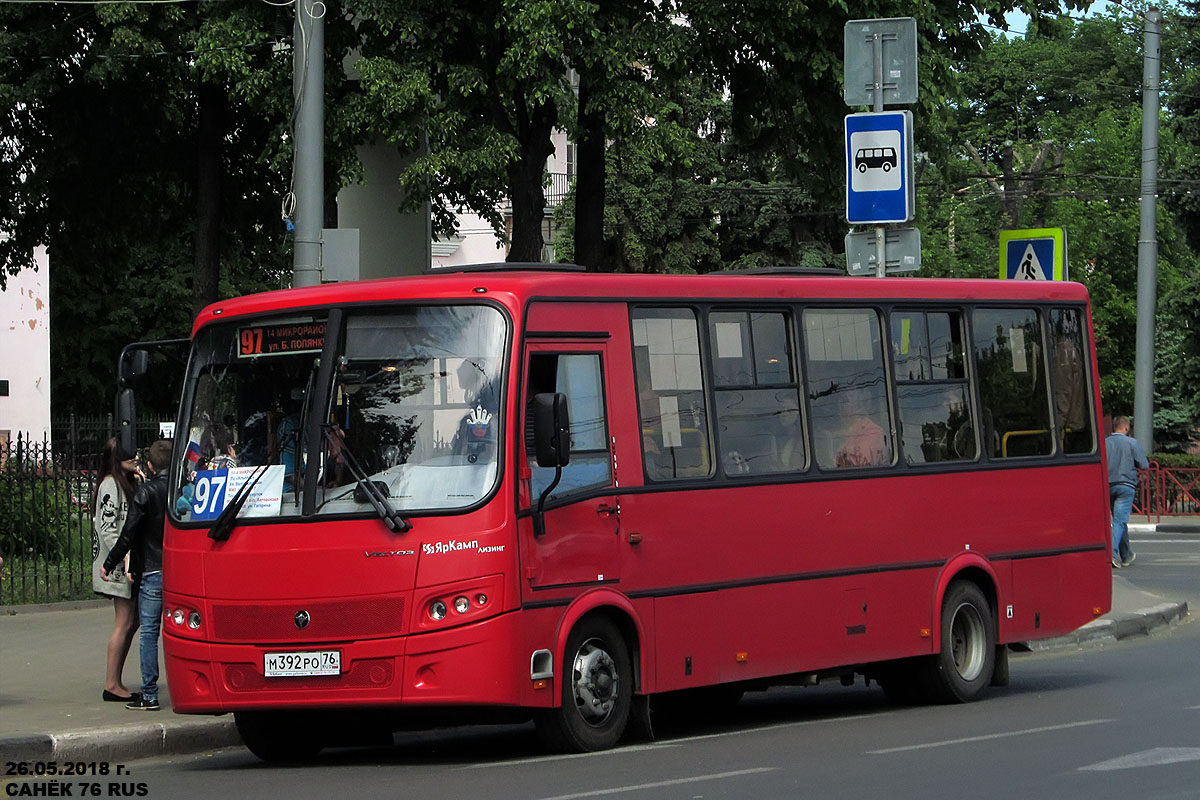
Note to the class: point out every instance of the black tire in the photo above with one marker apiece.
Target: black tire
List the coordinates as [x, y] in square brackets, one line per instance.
[596, 680]
[967, 656]
[862, 167]
[279, 736]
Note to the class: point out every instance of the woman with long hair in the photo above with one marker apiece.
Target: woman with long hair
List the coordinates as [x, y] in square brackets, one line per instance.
[110, 503]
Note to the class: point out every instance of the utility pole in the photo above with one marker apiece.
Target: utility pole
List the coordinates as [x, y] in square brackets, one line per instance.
[308, 84]
[1147, 281]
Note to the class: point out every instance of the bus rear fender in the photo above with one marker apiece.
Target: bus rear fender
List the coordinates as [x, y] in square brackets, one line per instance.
[618, 608]
[971, 566]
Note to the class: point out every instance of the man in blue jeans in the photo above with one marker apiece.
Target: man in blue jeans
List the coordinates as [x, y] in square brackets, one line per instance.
[143, 536]
[1125, 458]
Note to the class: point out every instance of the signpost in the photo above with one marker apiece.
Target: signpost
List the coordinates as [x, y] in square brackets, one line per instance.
[880, 67]
[903, 251]
[880, 52]
[1034, 254]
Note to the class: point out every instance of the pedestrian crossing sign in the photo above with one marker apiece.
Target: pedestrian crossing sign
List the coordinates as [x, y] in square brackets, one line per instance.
[1034, 254]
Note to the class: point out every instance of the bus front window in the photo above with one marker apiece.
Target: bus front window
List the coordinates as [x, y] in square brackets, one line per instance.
[415, 406]
[250, 386]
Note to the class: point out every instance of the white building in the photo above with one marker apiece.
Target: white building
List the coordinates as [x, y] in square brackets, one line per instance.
[25, 353]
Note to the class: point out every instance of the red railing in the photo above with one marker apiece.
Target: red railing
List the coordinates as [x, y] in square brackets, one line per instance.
[1168, 491]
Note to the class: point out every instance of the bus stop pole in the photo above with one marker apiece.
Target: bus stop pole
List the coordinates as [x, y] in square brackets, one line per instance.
[309, 169]
[1147, 273]
[877, 105]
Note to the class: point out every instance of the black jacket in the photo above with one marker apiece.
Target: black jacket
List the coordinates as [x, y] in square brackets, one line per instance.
[143, 528]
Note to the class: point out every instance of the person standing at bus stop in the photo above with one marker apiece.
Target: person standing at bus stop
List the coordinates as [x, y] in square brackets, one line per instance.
[110, 506]
[1125, 457]
[143, 536]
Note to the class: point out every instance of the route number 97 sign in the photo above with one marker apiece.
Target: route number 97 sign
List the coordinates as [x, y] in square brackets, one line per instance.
[213, 489]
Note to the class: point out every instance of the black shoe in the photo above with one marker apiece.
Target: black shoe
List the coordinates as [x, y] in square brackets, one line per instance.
[142, 704]
[109, 697]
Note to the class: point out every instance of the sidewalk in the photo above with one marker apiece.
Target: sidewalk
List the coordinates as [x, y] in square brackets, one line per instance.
[52, 673]
[51, 676]
[1141, 524]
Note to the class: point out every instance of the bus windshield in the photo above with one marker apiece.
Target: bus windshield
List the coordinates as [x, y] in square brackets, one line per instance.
[412, 405]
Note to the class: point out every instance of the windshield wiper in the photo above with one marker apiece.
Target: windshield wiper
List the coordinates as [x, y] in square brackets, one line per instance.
[226, 521]
[369, 489]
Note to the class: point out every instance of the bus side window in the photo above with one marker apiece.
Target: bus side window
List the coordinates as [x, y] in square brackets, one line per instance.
[579, 377]
[757, 399]
[1012, 382]
[1072, 392]
[671, 404]
[847, 388]
[932, 404]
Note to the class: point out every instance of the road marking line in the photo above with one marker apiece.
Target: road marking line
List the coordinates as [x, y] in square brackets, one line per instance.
[989, 737]
[635, 748]
[804, 723]
[1147, 758]
[658, 784]
[674, 742]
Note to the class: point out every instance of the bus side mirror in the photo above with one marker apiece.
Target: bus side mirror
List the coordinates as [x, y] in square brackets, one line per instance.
[126, 418]
[551, 423]
[134, 364]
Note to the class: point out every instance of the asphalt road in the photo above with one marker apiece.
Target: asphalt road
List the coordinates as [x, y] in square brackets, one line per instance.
[1117, 720]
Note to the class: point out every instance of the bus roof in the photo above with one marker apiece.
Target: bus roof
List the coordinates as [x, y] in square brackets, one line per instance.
[515, 284]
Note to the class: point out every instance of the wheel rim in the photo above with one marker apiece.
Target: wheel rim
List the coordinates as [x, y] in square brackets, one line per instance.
[967, 642]
[595, 683]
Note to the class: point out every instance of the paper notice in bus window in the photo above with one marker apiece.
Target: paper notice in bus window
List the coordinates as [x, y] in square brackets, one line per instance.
[1016, 341]
[729, 340]
[658, 336]
[905, 331]
[213, 489]
[668, 408]
[639, 333]
[687, 372]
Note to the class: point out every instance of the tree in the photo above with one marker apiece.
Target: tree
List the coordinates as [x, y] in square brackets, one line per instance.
[146, 147]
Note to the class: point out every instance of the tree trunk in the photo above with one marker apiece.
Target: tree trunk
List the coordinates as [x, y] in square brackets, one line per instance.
[525, 178]
[590, 248]
[209, 168]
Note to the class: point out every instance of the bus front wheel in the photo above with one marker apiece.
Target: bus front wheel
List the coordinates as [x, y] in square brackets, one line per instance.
[967, 656]
[279, 736]
[596, 683]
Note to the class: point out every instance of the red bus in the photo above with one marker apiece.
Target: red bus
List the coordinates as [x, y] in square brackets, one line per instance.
[531, 492]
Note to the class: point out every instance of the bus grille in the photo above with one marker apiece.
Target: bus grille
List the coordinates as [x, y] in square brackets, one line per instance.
[327, 620]
[368, 673]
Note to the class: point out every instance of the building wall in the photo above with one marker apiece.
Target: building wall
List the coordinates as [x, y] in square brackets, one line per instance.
[25, 353]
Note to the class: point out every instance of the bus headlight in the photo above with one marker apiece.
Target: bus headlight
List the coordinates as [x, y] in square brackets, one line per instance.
[437, 610]
[194, 620]
[177, 617]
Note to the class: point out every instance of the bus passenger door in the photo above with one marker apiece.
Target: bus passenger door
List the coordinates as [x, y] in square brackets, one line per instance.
[579, 546]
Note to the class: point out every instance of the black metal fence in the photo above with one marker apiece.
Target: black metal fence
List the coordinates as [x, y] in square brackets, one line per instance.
[45, 509]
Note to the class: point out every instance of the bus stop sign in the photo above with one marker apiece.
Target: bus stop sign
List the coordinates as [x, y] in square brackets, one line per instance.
[879, 159]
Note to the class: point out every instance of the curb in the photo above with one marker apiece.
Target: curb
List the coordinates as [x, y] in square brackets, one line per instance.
[122, 743]
[1116, 627]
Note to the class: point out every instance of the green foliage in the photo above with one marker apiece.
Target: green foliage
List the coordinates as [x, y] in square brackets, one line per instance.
[38, 516]
[1175, 460]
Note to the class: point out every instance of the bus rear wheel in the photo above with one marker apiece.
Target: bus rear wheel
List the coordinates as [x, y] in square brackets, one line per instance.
[967, 656]
[597, 691]
[279, 736]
